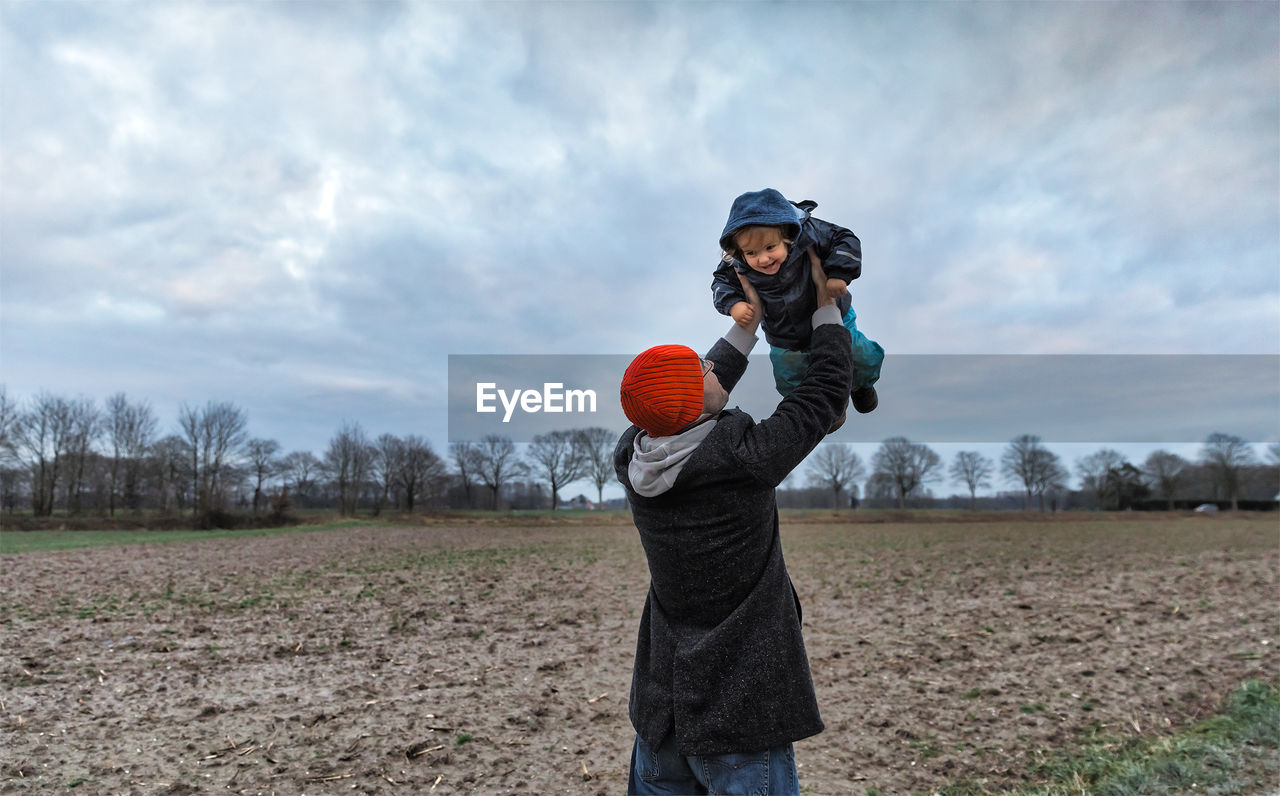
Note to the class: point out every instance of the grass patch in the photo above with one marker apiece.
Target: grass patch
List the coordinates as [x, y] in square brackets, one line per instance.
[1230, 753]
[514, 518]
[17, 542]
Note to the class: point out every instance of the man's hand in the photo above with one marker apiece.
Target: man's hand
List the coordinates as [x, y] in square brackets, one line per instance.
[821, 285]
[753, 304]
[837, 287]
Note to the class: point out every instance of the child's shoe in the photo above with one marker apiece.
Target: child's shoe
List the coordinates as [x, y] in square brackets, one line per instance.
[865, 399]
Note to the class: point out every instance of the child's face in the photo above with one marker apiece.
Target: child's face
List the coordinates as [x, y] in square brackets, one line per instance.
[763, 248]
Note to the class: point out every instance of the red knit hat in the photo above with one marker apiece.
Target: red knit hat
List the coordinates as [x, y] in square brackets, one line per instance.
[662, 389]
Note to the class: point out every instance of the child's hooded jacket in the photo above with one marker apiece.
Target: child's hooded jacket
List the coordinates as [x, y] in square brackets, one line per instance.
[788, 295]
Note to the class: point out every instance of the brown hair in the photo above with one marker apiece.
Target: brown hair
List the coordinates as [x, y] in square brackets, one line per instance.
[736, 252]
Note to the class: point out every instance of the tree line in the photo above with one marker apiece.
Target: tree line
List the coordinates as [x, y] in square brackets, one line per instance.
[76, 456]
[1226, 470]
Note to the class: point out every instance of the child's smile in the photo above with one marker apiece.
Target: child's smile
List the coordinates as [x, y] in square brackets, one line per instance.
[762, 248]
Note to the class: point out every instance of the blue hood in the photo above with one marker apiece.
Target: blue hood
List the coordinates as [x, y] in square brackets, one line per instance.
[761, 208]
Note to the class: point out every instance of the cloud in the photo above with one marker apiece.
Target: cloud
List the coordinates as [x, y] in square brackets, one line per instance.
[365, 188]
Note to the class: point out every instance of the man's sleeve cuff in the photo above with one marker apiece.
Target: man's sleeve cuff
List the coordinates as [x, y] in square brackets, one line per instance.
[740, 339]
[828, 314]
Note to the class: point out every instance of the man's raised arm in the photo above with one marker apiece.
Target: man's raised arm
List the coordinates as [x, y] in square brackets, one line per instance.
[776, 445]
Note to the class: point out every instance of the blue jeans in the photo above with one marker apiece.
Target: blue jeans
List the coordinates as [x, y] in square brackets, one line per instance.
[666, 771]
[789, 366]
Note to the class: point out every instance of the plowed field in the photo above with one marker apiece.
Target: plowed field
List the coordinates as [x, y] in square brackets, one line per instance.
[498, 659]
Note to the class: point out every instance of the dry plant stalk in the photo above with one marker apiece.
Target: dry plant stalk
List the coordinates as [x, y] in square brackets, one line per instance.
[418, 750]
[330, 777]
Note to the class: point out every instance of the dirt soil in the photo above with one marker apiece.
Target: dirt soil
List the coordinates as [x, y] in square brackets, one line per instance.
[498, 659]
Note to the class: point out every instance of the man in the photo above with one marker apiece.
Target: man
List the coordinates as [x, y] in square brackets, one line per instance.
[721, 686]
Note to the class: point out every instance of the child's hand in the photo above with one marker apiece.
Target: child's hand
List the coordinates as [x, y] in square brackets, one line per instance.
[837, 287]
[753, 305]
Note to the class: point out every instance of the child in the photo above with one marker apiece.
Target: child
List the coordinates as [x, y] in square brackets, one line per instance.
[765, 239]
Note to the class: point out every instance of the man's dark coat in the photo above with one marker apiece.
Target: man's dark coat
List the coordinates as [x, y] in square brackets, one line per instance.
[720, 659]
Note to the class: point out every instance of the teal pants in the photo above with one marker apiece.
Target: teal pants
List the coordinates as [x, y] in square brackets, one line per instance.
[789, 366]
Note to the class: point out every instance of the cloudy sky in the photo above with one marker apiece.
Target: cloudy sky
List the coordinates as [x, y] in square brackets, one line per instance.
[305, 207]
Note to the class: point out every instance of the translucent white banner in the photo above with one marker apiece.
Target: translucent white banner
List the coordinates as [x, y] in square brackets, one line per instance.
[927, 398]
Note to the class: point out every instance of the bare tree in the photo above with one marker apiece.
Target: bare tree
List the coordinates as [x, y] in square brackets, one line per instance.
[190, 427]
[1049, 474]
[263, 466]
[880, 486]
[597, 445]
[233, 483]
[12, 478]
[387, 460]
[1121, 487]
[41, 434]
[835, 466]
[496, 464]
[466, 457]
[225, 430]
[116, 421]
[299, 469]
[421, 470]
[1165, 472]
[1093, 470]
[215, 435]
[1020, 462]
[170, 460]
[8, 426]
[908, 464]
[1225, 455]
[140, 434]
[85, 427]
[347, 462]
[975, 471]
[12, 481]
[558, 457]
[131, 428]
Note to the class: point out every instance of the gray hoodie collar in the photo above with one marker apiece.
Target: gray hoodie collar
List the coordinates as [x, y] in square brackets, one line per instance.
[656, 462]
